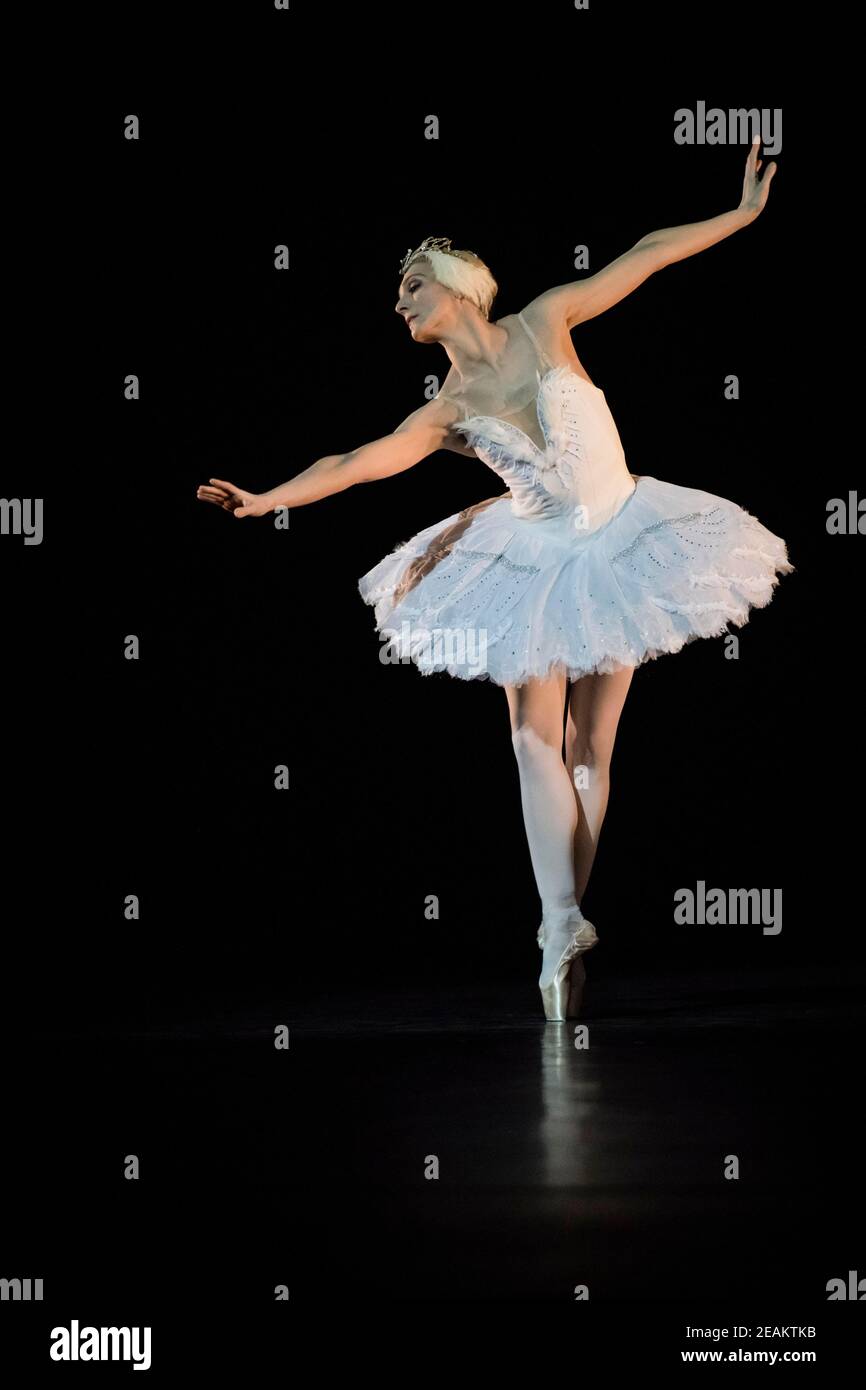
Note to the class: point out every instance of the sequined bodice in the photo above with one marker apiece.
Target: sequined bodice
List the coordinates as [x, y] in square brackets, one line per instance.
[581, 473]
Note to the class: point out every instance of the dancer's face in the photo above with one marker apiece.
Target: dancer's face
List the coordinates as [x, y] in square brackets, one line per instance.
[424, 304]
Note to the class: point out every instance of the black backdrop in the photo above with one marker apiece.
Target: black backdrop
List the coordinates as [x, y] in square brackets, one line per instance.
[257, 649]
[155, 776]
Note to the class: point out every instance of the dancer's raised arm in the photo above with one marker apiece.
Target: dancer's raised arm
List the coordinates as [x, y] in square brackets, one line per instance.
[420, 434]
[585, 299]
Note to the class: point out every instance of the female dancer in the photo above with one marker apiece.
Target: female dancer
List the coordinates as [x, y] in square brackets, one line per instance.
[570, 579]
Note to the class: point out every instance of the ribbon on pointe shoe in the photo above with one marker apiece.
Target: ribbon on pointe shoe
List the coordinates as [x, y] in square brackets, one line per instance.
[583, 938]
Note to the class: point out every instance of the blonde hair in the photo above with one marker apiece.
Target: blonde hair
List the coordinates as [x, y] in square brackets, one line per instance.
[465, 274]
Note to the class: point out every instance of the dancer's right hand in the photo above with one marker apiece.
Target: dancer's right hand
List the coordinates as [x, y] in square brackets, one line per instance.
[232, 499]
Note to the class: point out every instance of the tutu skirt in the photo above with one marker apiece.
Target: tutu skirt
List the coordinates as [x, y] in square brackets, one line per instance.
[487, 595]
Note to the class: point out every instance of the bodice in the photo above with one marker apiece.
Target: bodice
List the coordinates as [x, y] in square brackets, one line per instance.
[582, 470]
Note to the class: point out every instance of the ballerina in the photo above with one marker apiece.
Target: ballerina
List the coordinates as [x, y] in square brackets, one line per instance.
[570, 579]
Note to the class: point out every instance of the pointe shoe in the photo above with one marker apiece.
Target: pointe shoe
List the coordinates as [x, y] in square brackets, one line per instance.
[562, 986]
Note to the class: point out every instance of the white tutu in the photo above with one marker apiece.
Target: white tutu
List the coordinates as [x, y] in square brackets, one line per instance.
[489, 595]
[579, 566]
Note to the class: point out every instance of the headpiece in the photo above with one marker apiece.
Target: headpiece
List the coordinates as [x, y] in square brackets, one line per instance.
[430, 243]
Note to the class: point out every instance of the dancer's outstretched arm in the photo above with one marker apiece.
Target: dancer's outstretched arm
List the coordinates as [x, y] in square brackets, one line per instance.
[420, 434]
[585, 299]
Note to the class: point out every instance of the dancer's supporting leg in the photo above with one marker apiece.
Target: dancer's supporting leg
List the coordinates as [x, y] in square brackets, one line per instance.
[550, 812]
[595, 704]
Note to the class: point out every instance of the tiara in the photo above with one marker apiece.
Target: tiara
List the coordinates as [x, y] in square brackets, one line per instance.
[430, 243]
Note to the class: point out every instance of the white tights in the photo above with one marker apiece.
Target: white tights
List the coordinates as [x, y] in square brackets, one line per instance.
[551, 814]
[550, 817]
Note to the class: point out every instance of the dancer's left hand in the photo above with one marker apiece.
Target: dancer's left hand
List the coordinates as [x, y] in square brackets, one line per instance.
[755, 190]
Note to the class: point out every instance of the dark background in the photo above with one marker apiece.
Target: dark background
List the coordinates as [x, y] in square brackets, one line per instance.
[155, 777]
[257, 649]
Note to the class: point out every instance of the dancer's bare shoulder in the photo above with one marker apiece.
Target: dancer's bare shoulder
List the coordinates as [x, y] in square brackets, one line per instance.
[549, 322]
